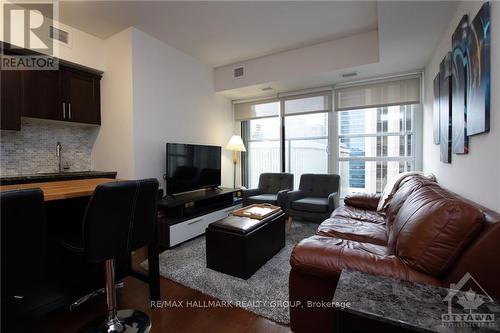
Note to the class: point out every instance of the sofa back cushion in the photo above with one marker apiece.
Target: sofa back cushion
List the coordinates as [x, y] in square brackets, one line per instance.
[407, 186]
[432, 228]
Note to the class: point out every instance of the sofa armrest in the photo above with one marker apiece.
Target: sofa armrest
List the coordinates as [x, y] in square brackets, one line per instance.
[317, 263]
[333, 201]
[367, 201]
[245, 194]
[282, 199]
[250, 192]
[326, 257]
[294, 195]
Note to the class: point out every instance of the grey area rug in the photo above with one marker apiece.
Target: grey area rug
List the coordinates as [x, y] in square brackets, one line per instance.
[265, 293]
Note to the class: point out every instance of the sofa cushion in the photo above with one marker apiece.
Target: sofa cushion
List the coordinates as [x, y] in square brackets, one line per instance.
[406, 187]
[477, 258]
[352, 229]
[367, 201]
[392, 186]
[326, 257]
[432, 228]
[359, 214]
[264, 198]
[311, 204]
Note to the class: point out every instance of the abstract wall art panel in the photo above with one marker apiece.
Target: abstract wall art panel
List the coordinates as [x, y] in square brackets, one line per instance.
[478, 56]
[435, 111]
[445, 108]
[459, 87]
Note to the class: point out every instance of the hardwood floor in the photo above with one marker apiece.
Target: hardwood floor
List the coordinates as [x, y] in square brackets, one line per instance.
[135, 295]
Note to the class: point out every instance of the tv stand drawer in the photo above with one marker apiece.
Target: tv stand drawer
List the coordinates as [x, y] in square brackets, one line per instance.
[188, 229]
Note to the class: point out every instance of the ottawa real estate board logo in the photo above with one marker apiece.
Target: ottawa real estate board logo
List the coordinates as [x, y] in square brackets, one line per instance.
[27, 42]
[468, 305]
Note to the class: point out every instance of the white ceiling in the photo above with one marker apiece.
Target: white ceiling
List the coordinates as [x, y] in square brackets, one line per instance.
[409, 32]
[221, 33]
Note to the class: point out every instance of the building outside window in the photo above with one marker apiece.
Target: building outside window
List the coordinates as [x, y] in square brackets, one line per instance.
[375, 144]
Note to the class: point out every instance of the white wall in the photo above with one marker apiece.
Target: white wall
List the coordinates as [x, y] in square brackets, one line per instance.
[84, 49]
[475, 175]
[114, 146]
[174, 101]
[151, 94]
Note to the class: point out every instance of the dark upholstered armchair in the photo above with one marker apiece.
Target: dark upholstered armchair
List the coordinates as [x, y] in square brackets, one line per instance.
[316, 198]
[272, 189]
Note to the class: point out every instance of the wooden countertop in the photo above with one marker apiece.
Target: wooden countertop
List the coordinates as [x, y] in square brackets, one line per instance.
[64, 189]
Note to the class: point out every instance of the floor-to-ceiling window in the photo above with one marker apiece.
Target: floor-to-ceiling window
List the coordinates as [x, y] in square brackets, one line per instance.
[374, 133]
[305, 135]
[306, 144]
[261, 133]
[378, 127]
[374, 145]
[263, 148]
[296, 141]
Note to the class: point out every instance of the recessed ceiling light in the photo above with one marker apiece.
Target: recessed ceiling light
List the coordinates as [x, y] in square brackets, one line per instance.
[351, 74]
[266, 88]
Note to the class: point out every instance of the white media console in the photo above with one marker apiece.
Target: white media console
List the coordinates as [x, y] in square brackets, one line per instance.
[187, 216]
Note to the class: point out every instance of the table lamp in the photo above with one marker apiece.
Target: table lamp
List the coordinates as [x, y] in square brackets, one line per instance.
[236, 145]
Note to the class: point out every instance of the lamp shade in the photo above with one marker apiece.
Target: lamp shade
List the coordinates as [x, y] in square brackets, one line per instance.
[236, 144]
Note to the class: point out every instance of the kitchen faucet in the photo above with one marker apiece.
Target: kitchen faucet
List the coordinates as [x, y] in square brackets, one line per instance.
[59, 155]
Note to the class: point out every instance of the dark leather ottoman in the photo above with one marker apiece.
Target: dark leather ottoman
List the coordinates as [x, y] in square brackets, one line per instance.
[239, 246]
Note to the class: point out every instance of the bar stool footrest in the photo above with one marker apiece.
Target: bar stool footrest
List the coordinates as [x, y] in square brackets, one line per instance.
[132, 321]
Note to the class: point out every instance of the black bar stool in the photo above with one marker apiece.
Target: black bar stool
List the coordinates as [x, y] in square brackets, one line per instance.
[23, 255]
[120, 218]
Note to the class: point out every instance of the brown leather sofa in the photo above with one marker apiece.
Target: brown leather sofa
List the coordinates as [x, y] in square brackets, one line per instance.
[427, 235]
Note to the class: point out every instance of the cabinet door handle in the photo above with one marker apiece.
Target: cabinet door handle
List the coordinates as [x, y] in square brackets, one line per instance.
[69, 110]
[195, 221]
[64, 110]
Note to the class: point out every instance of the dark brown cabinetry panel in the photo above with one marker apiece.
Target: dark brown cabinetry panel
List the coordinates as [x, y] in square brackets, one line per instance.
[67, 94]
[42, 96]
[71, 93]
[10, 100]
[82, 96]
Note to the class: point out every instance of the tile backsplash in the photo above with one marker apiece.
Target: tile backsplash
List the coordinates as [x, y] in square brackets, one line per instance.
[33, 149]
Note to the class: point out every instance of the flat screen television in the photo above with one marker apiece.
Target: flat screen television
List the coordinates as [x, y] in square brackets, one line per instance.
[192, 167]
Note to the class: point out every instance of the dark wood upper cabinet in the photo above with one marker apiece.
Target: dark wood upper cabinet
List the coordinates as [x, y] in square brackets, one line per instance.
[42, 95]
[10, 100]
[81, 96]
[68, 94]
[71, 93]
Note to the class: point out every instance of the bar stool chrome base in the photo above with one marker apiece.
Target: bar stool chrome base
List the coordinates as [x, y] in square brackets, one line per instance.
[128, 321]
